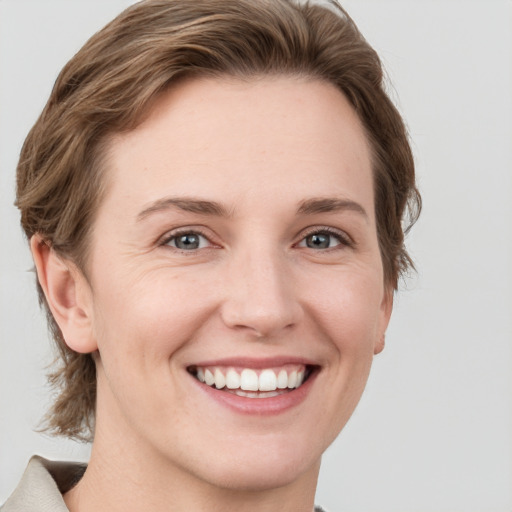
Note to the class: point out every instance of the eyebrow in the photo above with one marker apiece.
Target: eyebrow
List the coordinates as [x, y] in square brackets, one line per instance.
[204, 207]
[329, 204]
[187, 204]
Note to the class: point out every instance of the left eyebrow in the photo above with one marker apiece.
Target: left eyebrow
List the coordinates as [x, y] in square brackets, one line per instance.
[329, 204]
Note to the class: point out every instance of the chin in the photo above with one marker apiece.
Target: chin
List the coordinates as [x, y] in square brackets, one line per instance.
[259, 463]
[260, 475]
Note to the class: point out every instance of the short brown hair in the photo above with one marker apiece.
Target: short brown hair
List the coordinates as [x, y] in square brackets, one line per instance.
[109, 85]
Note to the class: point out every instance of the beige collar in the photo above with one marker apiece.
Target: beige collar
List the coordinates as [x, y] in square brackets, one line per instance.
[42, 486]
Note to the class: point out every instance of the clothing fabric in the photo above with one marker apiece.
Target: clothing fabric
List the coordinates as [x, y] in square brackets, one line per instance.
[43, 484]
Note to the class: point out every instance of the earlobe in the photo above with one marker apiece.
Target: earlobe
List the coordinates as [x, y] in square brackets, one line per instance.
[68, 295]
[386, 309]
[379, 346]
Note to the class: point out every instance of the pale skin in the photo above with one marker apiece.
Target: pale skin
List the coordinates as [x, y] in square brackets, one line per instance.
[271, 179]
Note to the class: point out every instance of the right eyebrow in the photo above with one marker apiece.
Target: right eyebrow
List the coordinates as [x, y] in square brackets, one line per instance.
[187, 204]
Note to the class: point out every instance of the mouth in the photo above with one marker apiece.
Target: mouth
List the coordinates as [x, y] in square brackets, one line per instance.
[258, 383]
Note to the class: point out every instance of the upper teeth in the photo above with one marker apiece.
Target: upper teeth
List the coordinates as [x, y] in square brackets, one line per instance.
[250, 380]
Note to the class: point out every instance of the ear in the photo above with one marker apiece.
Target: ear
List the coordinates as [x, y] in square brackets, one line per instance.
[68, 295]
[386, 308]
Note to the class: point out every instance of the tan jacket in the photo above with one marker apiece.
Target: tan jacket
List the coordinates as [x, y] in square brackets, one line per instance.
[42, 486]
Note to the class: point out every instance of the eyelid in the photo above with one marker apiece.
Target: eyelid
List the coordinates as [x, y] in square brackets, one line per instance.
[185, 230]
[345, 239]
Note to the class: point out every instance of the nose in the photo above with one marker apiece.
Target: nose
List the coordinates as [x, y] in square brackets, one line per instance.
[261, 298]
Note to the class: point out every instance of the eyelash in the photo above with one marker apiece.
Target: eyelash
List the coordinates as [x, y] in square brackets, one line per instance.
[176, 234]
[345, 241]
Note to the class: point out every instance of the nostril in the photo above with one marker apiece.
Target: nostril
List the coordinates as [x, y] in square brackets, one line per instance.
[261, 322]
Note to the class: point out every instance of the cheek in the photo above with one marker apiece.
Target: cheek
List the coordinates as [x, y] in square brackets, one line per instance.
[349, 319]
[150, 315]
[347, 304]
[141, 325]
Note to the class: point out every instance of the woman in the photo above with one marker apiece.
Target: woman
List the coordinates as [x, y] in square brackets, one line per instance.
[213, 196]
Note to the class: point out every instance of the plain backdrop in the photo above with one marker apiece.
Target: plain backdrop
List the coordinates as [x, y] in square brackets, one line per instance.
[433, 432]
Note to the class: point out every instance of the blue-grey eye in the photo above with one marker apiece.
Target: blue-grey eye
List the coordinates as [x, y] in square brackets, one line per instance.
[320, 240]
[188, 241]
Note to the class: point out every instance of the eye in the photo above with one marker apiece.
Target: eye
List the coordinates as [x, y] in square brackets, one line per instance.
[324, 239]
[187, 241]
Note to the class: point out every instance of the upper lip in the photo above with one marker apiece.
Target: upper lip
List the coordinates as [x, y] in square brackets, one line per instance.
[256, 363]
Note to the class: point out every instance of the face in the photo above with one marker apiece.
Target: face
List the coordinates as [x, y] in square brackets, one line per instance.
[236, 249]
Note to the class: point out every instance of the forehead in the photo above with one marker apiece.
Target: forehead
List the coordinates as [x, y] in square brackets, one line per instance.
[227, 138]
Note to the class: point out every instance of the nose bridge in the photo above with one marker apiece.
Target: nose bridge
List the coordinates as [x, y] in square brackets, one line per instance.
[261, 296]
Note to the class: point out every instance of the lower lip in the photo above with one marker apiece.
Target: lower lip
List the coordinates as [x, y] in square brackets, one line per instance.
[260, 406]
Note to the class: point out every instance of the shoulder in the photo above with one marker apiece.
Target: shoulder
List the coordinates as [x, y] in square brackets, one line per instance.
[42, 486]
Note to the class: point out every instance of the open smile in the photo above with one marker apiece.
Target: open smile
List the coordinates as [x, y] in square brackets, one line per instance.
[254, 382]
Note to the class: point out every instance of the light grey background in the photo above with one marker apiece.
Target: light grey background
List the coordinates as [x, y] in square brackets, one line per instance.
[433, 432]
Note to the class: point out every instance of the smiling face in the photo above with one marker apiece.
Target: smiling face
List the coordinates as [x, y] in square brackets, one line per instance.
[236, 248]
